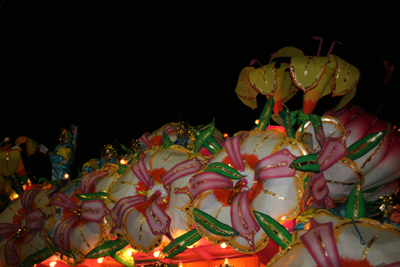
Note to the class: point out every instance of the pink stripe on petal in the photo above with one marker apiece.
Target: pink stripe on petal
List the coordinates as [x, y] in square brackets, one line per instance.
[89, 178]
[346, 114]
[389, 164]
[358, 126]
[62, 200]
[207, 181]
[334, 150]
[140, 170]
[93, 210]
[185, 168]
[242, 218]
[12, 257]
[319, 241]
[27, 197]
[158, 220]
[145, 140]
[123, 205]
[275, 165]
[393, 264]
[232, 146]
[8, 228]
[169, 128]
[34, 219]
[62, 233]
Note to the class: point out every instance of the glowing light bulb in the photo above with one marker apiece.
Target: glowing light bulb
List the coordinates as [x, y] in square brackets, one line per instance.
[53, 263]
[226, 135]
[122, 161]
[156, 253]
[191, 246]
[129, 253]
[223, 245]
[66, 176]
[394, 127]
[100, 260]
[257, 121]
[180, 264]
[226, 261]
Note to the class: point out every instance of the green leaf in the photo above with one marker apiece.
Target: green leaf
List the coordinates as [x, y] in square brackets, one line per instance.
[67, 253]
[211, 144]
[42, 180]
[316, 122]
[123, 258]
[305, 181]
[92, 196]
[213, 225]
[274, 230]
[224, 170]
[107, 249]
[121, 168]
[166, 140]
[188, 239]
[136, 155]
[355, 203]
[289, 119]
[373, 189]
[362, 146]
[37, 257]
[266, 114]
[125, 149]
[307, 163]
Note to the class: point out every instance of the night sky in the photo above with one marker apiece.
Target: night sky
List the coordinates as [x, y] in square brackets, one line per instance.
[119, 69]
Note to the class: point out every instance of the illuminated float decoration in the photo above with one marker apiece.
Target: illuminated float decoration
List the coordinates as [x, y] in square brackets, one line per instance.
[185, 193]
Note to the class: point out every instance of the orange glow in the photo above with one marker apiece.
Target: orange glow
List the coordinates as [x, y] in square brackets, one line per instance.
[191, 246]
[53, 263]
[223, 245]
[257, 121]
[100, 260]
[226, 135]
[394, 127]
[66, 176]
[122, 161]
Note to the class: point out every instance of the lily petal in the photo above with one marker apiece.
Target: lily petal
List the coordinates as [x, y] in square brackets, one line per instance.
[321, 244]
[207, 181]
[185, 168]
[242, 218]
[140, 170]
[89, 178]
[232, 146]
[275, 165]
[93, 210]
[158, 220]
[332, 152]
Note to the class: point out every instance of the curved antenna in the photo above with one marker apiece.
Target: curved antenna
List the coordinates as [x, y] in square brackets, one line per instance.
[332, 45]
[320, 43]
[254, 61]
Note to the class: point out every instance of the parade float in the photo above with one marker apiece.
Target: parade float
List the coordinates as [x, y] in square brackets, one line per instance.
[298, 189]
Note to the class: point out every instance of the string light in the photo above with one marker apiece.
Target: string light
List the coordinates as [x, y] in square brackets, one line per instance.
[66, 176]
[257, 121]
[226, 135]
[156, 253]
[100, 260]
[53, 263]
[122, 161]
[223, 245]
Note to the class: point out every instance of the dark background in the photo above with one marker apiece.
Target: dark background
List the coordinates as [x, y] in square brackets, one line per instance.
[121, 68]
